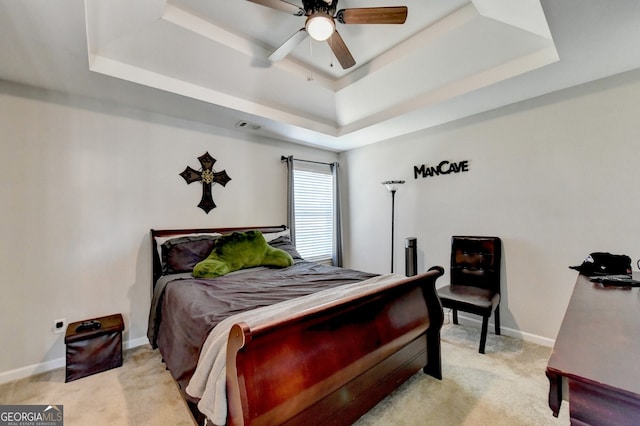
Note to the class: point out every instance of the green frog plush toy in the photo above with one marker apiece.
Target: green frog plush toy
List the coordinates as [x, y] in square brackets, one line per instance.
[240, 250]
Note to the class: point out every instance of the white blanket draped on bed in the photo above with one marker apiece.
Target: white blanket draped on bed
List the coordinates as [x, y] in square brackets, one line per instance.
[209, 379]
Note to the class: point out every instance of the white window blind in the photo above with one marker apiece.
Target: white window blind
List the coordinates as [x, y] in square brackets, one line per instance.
[313, 204]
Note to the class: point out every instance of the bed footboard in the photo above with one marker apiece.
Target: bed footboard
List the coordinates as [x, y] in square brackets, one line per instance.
[332, 365]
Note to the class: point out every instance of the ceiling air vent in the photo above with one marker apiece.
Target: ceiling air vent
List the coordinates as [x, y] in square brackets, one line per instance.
[246, 125]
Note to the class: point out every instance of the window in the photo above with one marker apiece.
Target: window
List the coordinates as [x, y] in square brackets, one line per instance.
[314, 211]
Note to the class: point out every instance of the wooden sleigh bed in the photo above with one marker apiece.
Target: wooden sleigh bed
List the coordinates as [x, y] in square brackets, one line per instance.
[342, 342]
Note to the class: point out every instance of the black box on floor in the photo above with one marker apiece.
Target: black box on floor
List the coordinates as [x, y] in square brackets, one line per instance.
[93, 346]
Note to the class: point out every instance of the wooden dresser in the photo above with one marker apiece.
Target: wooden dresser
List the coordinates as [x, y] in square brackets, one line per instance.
[595, 363]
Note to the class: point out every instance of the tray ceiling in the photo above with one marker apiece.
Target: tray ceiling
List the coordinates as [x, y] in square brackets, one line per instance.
[217, 53]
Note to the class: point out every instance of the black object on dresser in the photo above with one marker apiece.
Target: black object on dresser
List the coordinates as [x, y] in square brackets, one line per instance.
[93, 346]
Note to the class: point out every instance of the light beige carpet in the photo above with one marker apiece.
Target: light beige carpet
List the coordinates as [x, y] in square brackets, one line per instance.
[506, 386]
[141, 392]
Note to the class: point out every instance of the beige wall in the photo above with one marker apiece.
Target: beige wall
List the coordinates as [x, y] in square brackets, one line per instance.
[81, 185]
[555, 177]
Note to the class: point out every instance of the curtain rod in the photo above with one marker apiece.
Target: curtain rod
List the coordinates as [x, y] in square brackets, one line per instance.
[284, 158]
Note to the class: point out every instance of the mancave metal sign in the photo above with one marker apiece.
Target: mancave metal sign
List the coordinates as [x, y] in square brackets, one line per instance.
[443, 168]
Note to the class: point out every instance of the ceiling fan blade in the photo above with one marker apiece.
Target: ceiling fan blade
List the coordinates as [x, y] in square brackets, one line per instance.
[282, 6]
[339, 48]
[373, 15]
[288, 46]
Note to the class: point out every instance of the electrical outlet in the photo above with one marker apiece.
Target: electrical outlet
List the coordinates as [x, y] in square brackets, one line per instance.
[59, 325]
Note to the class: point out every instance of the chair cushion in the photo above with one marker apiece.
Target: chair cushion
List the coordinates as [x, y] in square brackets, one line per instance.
[479, 297]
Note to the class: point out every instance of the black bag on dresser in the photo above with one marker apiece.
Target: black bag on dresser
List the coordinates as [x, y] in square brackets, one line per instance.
[602, 263]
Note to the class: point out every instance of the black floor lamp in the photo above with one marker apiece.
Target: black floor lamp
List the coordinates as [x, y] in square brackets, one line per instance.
[392, 186]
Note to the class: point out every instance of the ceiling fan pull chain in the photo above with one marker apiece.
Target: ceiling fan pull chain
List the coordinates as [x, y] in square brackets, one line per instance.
[310, 77]
[331, 56]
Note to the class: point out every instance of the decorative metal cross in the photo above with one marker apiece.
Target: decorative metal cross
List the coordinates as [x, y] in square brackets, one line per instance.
[208, 177]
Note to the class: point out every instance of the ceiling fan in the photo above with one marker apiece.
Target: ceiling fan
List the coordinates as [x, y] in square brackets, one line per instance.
[321, 24]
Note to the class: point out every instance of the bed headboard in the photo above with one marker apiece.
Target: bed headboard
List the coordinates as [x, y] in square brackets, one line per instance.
[156, 264]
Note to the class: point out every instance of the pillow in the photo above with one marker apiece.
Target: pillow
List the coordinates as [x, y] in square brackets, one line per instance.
[284, 243]
[181, 254]
[161, 241]
[240, 250]
[270, 236]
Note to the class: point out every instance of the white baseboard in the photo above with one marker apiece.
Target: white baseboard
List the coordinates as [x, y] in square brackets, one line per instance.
[518, 334]
[134, 343]
[31, 370]
[43, 367]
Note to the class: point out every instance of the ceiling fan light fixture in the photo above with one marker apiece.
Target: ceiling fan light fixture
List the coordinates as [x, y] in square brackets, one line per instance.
[320, 26]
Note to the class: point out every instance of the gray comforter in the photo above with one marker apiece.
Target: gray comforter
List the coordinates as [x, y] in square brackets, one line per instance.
[185, 309]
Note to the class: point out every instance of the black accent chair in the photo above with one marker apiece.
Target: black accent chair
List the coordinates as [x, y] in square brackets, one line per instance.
[475, 280]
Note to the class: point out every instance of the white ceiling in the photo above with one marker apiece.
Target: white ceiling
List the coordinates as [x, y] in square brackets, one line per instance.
[205, 60]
